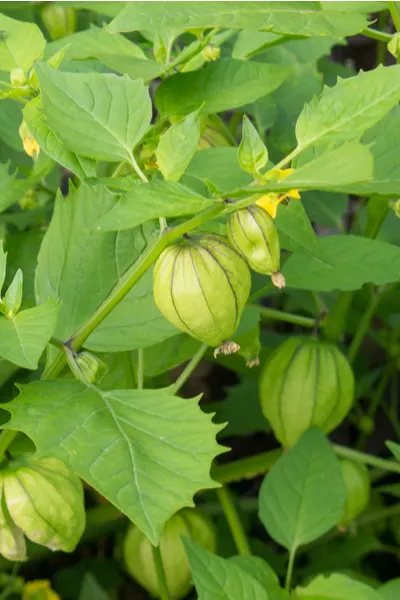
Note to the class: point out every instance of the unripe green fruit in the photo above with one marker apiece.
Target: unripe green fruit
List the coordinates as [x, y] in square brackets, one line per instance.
[45, 501]
[12, 539]
[201, 286]
[305, 383]
[59, 20]
[358, 488]
[253, 233]
[138, 552]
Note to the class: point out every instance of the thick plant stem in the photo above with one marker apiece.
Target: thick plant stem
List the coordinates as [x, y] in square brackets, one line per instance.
[233, 520]
[363, 326]
[162, 582]
[279, 315]
[188, 370]
[394, 14]
[289, 572]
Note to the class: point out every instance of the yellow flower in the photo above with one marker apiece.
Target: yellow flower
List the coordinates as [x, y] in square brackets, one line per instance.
[31, 146]
[270, 201]
[39, 590]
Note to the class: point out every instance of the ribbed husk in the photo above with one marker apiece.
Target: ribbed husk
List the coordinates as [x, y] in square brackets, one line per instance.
[358, 489]
[253, 233]
[201, 286]
[306, 382]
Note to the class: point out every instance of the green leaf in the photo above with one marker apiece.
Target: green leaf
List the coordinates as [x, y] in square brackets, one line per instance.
[390, 590]
[80, 265]
[276, 17]
[298, 234]
[50, 144]
[93, 43]
[252, 153]
[151, 200]
[24, 337]
[349, 262]
[394, 449]
[325, 208]
[337, 587]
[146, 451]
[351, 107]
[114, 112]
[177, 147]
[219, 165]
[10, 120]
[91, 589]
[223, 85]
[3, 264]
[215, 577]
[303, 495]
[13, 296]
[20, 44]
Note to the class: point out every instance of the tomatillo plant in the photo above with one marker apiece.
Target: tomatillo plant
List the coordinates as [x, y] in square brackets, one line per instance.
[199, 252]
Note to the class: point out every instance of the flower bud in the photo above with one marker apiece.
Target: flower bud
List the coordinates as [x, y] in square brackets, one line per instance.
[201, 286]
[305, 383]
[31, 146]
[18, 77]
[86, 366]
[358, 488]
[59, 20]
[253, 233]
[45, 501]
[211, 52]
[138, 552]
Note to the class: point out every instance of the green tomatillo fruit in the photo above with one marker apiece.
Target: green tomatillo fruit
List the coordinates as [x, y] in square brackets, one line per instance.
[45, 501]
[253, 233]
[138, 552]
[305, 383]
[358, 489]
[59, 20]
[201, 285]
[12, 539]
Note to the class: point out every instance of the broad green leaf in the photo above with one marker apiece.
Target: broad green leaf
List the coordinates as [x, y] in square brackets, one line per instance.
[223, 85]
[151, 200]
[305, 18]
[10, 120]
[216, 577]
[52, 146]
[303, 495]
[20, 44]
[136, 68]
[113, 112]
[295, 229]
[350, 262]
[384, 145]
[248, 42]
[177, 147]
[11, 188]
[390, 590]
[109, 9]
[325, 208]
[80, 265]
[260, 570]
[394, 449]
[3, 264]
[146, 451]
[22, 252]
[348, 109]
[220, 166]
[252, 153]
[24, 337]
[337, 587]
[93, 43]
[13, 296]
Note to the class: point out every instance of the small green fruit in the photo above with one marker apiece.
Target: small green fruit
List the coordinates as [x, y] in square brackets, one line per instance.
[201, 286]
[305, 383]
[59, 20]
[45, 501]
[138, 552]
[253, 233]
[358, 488]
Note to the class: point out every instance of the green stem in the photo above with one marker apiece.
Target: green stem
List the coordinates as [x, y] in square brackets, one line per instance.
[289, 572]
[381, 36]
[227, 132]
[118, 169]
[162, 582]
[6, 437]
[381, 46]
[136, 167]
[336, 319]
[188, 370]
[394, 13]
[140, 369]
[367, 459]
[363, 326]
[287, 159]
[233, 520]
[278, 315]
[376, 400]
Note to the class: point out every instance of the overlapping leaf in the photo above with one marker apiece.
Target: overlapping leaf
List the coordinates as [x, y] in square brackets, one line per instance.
[20, 44]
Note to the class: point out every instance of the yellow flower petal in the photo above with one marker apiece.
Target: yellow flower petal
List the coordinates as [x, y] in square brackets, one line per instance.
[269, 203]
[31, 146]
[39, 590]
